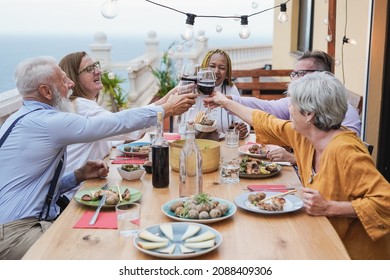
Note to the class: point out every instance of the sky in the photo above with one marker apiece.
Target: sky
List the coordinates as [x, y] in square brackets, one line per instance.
[135, 17]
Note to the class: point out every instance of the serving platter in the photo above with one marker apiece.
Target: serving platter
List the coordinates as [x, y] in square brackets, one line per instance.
[135, 195]
[244, 150]
[121, 148]
[166, 208]
[259, 176]
[293, 203]
[178, 230]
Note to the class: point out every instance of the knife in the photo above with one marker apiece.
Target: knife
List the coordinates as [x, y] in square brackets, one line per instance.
[94, 217]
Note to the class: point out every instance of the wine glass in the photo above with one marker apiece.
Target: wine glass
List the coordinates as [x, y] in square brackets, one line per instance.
[189, 72]
[206, 81]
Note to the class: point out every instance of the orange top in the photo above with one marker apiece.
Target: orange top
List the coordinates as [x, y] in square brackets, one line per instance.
[347, 173]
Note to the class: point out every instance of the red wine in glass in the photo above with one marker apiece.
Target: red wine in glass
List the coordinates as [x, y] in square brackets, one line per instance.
[206, 81]
[206, 86]
[189, 78]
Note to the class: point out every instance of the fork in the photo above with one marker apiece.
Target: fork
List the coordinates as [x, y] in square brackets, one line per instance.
[102, 201]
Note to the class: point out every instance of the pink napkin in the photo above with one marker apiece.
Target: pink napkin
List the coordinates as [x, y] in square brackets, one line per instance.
[106, 219]
[129, 160]
[171, 136]
[278, 188]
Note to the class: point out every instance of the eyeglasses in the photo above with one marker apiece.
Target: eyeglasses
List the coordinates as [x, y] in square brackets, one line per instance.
[301, 73]
[91, 68]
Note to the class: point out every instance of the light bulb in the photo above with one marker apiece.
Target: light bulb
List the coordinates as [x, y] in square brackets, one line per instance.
[352, 41]
[245, 32]
[337, 62]
[219, 28]
[189, 44]
[188, 33]
[111, 75]
[329, 38]
[179, 48]
[255, 5]
[110, 9]
[283, 17]
[349, 41]
[326, 22]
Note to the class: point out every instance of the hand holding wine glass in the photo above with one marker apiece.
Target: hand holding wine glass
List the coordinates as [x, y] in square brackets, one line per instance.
[206, 81]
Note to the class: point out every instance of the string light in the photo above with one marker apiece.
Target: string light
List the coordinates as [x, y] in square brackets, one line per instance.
[188, 33]
[283, 17]
[349, 41]
[110, 10]
[245, 32]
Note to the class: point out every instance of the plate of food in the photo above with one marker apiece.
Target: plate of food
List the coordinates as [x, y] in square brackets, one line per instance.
[256, 150]
[177, 240]
[92, 196]
[200, 208]
[252, 168]
[135, 148]
[253, 202]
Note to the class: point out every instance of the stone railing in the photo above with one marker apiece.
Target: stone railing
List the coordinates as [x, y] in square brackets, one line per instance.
[142, 84]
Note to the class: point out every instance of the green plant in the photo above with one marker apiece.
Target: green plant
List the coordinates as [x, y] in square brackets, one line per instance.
[111, 87]
[165, 74]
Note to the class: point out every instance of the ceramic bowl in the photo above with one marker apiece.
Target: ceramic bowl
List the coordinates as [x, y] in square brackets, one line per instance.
[132, 175]
[206, 128]
[209, 149]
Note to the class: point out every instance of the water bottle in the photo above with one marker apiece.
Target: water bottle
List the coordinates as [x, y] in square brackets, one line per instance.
[190, 162]
[160, 157]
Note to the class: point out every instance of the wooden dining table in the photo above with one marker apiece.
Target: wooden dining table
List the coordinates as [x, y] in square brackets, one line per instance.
[246, 235]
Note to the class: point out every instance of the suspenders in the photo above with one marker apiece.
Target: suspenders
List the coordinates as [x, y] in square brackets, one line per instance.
[53, 183]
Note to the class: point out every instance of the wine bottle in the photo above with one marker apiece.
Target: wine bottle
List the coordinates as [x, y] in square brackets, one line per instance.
[160, 157]
[190, 162]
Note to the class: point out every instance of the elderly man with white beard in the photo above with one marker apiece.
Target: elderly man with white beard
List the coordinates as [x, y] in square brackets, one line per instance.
[33, 149]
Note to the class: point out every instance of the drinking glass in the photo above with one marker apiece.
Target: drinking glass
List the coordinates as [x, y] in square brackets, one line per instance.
[229, 170]
[232, 137]
[206, 81]
[128, 218]
[189, 72]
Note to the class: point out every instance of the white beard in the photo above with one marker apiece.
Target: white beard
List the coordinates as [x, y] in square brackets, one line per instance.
[63, 104]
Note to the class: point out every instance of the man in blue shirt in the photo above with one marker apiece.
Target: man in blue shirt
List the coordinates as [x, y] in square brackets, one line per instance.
[31, 153]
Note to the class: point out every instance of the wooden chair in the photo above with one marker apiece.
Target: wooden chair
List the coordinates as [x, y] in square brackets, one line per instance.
[261, 83]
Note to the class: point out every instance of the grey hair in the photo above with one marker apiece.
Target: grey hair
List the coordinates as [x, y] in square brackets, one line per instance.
[33, 72]
[324, 95]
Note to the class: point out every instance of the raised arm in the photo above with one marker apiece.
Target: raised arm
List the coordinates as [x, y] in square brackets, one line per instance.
[244, 113]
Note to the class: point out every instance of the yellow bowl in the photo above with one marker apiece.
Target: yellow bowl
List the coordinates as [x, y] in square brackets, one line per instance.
[209, 149]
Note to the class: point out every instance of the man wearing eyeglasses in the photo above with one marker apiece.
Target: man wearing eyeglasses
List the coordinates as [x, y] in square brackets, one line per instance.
[310, 61]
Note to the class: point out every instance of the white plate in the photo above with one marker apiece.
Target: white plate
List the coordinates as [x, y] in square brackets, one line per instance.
[244, 150]
[166, 208]
[133, 144]
[293, 203]
[178, 231]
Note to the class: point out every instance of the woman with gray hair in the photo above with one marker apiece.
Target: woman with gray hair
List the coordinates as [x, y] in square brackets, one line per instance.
[339, 176]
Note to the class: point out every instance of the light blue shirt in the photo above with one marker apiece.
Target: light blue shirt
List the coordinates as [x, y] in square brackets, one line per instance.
[31, 153]
[279, 108]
